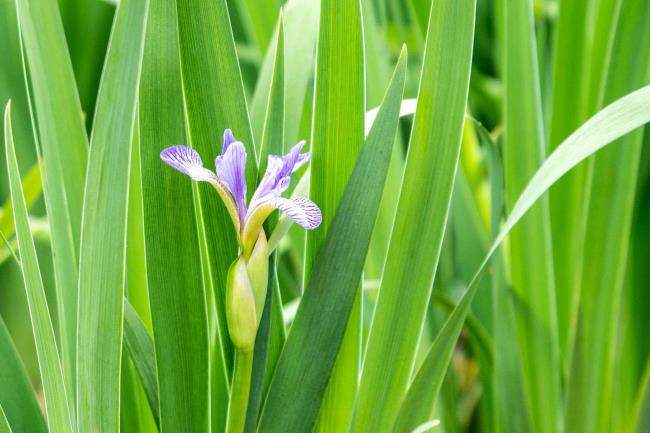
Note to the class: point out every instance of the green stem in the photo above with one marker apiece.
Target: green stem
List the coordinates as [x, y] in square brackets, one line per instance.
[239, 395]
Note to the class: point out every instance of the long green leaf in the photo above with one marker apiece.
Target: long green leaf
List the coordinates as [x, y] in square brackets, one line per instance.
[510, 404]
[138, 415]
[567, 113]
[616, 120]
[615, 172]
[531, 257]
[337, 138]
[270, 335]
[421, 217]
[141, 348]
[306, 363]
[17, 396]
[103, 238]
[56, 397]
[64, 146]
[300, 21]
[174, 272]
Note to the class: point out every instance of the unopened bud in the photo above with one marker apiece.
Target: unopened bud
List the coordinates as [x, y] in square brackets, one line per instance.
[240, 307]
[258, 272]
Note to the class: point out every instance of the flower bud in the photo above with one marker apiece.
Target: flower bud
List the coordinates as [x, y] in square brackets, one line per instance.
[258, 272]
[240, 307]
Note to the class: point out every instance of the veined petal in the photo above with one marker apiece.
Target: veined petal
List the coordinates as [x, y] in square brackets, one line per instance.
[303, 211]
[293, 160]
[228, 139]
[187, 161]
[299, 209]
[231, 169]
[270, 185]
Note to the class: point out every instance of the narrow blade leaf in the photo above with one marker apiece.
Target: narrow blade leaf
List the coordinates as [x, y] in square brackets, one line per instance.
[141, 348]
[17, 396]
[616, 120]
[103, 232]
[174, 272]
[422, 213]
[56, 400]
[306, 363]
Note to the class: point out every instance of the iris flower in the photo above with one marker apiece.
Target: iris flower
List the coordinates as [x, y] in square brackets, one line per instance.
[230, 183]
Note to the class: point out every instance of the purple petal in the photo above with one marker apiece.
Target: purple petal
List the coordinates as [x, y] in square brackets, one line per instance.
[271, 184]
[231, 169]
[228, 139]
[301, 210]
[187, 161]
[293, 160]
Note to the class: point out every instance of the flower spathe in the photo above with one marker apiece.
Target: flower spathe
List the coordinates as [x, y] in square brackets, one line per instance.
[230, 182]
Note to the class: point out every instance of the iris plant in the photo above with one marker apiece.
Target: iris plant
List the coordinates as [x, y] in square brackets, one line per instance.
[230, 183]
[248, 276]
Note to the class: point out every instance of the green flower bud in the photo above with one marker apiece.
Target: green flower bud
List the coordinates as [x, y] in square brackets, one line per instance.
[258, 272]
[240, 307]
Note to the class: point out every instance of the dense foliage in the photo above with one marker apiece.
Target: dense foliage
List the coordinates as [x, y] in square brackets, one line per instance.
[469, 178]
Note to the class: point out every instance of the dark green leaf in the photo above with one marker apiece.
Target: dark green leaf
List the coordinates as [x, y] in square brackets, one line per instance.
[306, 363]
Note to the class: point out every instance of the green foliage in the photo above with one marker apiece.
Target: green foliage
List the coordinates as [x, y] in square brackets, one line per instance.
[481, 266]
[308, 357]
[59, 415]
[425, 196]
[175, 285]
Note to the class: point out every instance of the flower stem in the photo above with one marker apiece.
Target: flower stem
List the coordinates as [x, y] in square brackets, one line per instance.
[241, 383]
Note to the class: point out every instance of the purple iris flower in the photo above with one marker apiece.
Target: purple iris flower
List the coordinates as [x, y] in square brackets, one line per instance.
[230, 183]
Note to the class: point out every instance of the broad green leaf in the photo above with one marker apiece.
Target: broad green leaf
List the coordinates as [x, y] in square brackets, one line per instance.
[509, 401]
[306, 363]
[530, 254]
[584, 46]
[174, 273]
[56, 398]
[570, 54]
[141, 348]
[214, 100]
[103, 239]
[616, 120]
[591, 382]
[378, 69]
[17, 396]
[337, 138]
[60, 131]
[422, 212]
